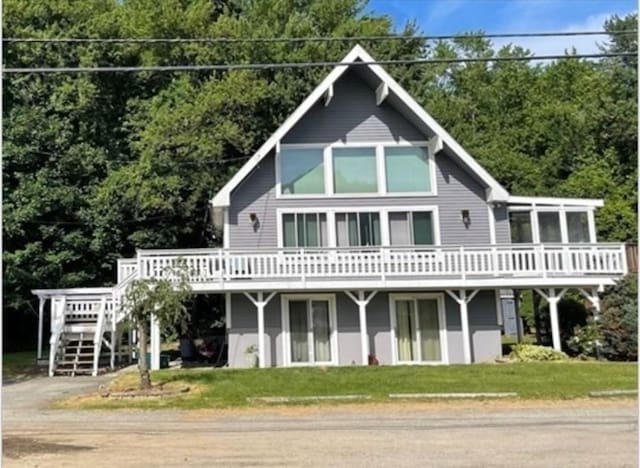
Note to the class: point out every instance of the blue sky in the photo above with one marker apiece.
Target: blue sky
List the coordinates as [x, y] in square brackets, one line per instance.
[505, 16]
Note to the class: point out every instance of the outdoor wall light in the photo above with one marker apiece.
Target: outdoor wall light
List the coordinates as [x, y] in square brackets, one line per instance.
[255, 223]
[466, 218]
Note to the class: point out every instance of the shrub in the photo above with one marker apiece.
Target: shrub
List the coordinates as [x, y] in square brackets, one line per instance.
[531, 353]
[619, 320]
[586, 340]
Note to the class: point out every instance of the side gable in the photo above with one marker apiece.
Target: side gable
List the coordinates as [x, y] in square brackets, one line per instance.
[387, 87]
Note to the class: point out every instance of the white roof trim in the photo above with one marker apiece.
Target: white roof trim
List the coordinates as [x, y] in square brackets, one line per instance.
[588, 202]
[496, 191]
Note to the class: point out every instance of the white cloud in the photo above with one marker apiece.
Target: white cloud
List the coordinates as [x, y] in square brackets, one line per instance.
[554, 45]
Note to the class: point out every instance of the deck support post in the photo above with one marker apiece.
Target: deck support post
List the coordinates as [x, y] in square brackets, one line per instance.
[260, 304]
[40, 323]
[463, 299]
[362, 302]
[155, 343]
[552, 299]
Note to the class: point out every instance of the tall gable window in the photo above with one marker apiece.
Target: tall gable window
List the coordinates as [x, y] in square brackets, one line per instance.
[407, 169]
[354, 170]
[302, 171]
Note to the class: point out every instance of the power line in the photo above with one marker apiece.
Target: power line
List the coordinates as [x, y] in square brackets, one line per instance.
[230, 40]
[292, 65]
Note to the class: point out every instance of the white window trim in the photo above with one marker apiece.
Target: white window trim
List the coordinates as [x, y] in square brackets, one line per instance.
[385, 235]
[286, 332]
[442, 319]
[562, 210]
[378, 147]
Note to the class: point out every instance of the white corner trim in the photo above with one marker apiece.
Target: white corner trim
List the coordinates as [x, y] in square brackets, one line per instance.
[496, 193]
[227, 310]
[382, 91]
[492, 223]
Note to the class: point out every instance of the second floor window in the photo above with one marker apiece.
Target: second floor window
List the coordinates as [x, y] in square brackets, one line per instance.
[411, 228]
[304, 229]
[358, 229]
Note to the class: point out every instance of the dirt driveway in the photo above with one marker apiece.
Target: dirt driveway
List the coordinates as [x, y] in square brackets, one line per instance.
[578, 433]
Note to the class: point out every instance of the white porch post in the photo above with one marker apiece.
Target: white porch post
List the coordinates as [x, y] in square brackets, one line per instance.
[362, 302]
[552, 299]
[260, 304]
[463, 301]
[155, 343]
[40, 324]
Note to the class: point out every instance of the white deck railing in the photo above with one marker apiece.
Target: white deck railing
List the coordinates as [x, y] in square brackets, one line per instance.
[526, 260]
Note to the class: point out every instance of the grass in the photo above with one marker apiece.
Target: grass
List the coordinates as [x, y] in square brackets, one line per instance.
[229, 388]
[19, 365]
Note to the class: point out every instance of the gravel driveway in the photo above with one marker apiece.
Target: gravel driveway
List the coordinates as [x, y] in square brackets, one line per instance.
[461, 434]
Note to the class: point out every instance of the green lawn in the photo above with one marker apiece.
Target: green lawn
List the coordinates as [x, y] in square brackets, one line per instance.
[222, 388]
[19, 364]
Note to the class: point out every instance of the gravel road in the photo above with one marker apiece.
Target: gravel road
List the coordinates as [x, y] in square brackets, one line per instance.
[461, 434]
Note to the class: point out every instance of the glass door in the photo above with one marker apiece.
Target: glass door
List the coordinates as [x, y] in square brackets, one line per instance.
[418, 330]
[310, 331]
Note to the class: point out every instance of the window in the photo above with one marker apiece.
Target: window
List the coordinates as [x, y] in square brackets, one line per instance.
[549, 226]
[357, 229]
[578, 226]
[355, 170]
[520, 223]
[411, 228]
[302, 171]
[407, 169]
[304, 229]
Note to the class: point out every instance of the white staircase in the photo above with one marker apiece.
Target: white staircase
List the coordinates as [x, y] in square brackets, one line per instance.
[88, 333]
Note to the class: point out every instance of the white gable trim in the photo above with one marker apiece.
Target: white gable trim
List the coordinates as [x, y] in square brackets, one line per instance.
[495, 192]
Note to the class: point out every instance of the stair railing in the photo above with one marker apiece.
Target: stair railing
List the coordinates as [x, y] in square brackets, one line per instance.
[97, 337]
[57, 328]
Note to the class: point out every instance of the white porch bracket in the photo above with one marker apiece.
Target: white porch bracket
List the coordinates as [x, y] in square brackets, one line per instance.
[362, 302]
[328, 95]
[42, 301]
[382, 91]
[552, 299]
[593, 297]
[463, 299]
[260, 302]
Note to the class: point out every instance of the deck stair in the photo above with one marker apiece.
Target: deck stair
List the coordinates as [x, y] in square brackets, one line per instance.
[78, 355]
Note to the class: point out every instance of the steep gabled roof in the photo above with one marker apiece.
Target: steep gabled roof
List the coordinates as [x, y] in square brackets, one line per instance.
[495, 191]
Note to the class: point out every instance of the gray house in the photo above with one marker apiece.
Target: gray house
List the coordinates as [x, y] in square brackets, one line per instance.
[362, 231]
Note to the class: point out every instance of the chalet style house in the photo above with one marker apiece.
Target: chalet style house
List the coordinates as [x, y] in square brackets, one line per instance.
[359, 231]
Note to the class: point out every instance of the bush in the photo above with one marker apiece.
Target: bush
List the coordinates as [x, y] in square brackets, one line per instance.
[531, 353]
[586, 340]
[618, 320]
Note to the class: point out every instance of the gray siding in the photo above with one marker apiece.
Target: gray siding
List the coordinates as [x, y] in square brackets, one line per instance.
[352, 116]
[503, 231]
[457, 190]
[483, 327]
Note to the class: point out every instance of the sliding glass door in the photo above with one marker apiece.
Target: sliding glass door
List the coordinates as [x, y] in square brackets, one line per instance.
[418, 329]
[310, 325]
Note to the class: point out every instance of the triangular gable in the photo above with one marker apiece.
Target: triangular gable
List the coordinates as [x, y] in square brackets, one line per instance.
[388, 86]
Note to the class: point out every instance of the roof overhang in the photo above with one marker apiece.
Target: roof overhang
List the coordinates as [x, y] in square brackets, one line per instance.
[553, 201]
[387, 89]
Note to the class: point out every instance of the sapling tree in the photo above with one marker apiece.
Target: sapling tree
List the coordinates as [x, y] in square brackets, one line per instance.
[163, 299]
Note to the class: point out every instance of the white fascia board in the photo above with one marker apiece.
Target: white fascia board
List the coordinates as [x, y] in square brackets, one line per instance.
[587, 202]
[222, 198]
[496, 192]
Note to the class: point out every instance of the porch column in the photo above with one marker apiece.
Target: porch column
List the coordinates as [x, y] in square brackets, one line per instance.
[463, 301]
[260, 303]
[40, 324]
[552, 298]
[362, 302]
[155, 343]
